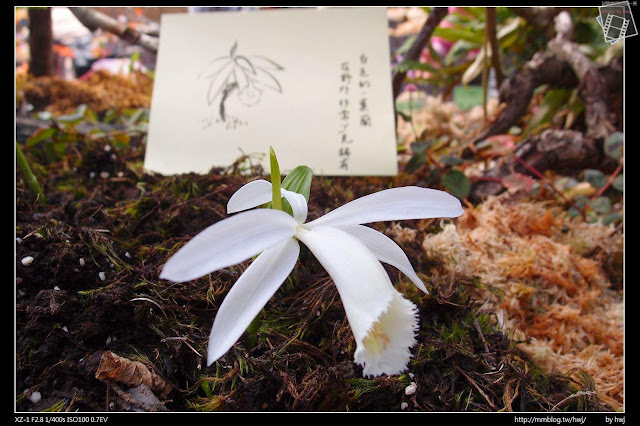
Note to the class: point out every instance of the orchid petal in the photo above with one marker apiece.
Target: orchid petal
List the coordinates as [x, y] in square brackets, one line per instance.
[259, 192]
[298, 204]
[373, 306]
[410, 202]
[251, 195]
[229, 242]
[249, 295]
[385, 250]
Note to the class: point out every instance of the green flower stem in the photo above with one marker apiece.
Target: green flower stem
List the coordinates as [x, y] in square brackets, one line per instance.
[276, 202]
[252, 331]
[28, 174]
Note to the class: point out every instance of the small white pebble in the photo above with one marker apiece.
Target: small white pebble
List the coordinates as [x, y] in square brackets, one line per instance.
[104, 175]
[81, 261]
[65, 329]
[411, 389]
[35, 397]
[92, 175]
[18, 240]
[102, 276]
[107, 148]
[108, 340]
[120, 174]
[56, 288]
[26, 261]
[127, 255]
[38, 235]
[404, 405]
[21, 292]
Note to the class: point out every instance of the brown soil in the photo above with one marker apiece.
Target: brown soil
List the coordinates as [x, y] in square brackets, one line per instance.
[99, 242]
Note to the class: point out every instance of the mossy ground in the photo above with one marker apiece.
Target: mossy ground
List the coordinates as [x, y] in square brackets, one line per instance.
[122, 226]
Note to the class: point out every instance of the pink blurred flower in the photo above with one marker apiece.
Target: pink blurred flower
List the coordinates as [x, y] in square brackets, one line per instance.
[411, 87]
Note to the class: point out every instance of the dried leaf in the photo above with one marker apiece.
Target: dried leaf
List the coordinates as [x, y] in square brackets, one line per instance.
[518, 181]
[130, 373]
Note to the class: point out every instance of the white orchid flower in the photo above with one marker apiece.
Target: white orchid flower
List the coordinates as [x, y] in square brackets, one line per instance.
[383, 322]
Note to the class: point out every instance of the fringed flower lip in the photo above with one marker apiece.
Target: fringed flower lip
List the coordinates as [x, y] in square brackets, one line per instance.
[383, 322]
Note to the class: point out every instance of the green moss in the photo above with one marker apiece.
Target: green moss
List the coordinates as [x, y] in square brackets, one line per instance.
[361, 387]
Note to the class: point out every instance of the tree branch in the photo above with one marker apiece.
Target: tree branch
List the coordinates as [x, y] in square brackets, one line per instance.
[93, 20]
[436, 15]
[592, 87]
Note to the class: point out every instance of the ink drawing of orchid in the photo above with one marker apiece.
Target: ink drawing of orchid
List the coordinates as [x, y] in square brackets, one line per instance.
[384, 323]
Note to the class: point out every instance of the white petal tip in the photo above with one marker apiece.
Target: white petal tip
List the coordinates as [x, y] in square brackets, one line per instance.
[211, 360]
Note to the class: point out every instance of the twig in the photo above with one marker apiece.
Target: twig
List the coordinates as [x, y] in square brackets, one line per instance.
[475, 385]
[435, 16]
[92, 19]
[485, 70]
[613, 176]
[493, 41]
[484, 342]
[553, 188]
[183, 339]
[108, 388]
[575, 395]
[147, 299]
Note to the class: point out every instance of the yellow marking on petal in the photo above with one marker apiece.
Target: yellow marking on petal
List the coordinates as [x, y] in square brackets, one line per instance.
[376, 339]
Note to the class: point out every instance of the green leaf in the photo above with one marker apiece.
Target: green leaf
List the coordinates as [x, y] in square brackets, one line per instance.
[451, 160]
[553, 99]
[135, 56]
[618, 182]
[276, 201]
[614, 144]
[611, 218]
[74, 118]
[110, 116]
[457, 51]
[408, 65]
[299, 180]
[455, 34]
[419, 147]
[601, 205]
[415, 162]
[467, 97]
[204, 384]
[41, 135]
[406, 45]
[456, 183]
[595, 177]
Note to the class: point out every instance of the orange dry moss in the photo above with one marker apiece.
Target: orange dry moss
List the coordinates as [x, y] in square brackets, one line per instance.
[100, 92]
[555, 295]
